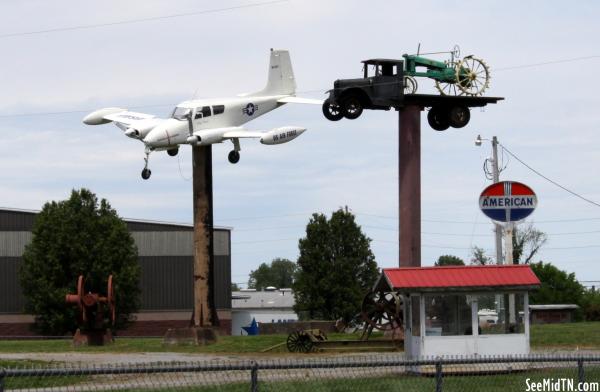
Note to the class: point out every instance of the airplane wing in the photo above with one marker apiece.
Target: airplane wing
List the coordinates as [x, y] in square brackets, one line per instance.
[243, 134]
[118, 115]
[127, 118]
[300, 100]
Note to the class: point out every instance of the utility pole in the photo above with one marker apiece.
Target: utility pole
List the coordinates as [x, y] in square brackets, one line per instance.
[496, 178]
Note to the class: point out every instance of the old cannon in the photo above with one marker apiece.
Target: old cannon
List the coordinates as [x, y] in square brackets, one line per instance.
[96, 314]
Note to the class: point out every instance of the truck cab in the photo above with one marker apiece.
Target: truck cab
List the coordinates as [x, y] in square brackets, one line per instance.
[380, 88]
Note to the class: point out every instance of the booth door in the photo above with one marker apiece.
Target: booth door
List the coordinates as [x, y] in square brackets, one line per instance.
[412, 326]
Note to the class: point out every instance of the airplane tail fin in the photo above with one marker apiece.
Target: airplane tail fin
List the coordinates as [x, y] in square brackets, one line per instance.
[281, 76]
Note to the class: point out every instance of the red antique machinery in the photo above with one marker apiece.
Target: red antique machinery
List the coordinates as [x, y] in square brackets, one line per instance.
[96, 314]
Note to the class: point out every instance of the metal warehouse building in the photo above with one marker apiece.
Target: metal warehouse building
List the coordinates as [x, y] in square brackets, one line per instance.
[165, 252]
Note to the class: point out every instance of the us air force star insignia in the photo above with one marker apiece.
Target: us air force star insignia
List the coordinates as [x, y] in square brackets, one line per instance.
[250, 109]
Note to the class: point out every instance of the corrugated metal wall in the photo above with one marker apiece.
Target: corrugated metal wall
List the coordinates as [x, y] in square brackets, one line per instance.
[11, 295]
[167, 282]
[165, 255]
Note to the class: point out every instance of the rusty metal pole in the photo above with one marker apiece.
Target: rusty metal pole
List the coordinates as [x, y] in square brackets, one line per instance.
[204, 311]
[409, 182]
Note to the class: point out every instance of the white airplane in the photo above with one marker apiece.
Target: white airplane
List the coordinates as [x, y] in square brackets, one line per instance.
[208, 121]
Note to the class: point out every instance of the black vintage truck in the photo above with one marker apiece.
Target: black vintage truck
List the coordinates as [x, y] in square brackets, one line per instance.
[385, 85]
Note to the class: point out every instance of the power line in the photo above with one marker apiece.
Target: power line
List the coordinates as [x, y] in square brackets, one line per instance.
[548, 63]
[548, 179]
[140, 20]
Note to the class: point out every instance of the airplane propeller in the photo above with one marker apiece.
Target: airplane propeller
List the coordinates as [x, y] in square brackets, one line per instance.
[191, 138]
[190, 122]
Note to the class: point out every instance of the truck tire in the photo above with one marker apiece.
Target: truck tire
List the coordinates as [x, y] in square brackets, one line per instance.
[352, 107]
[459, 116]
[331, 111]
[438, 118]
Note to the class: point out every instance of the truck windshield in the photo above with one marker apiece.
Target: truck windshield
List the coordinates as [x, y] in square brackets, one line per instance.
[180, 113]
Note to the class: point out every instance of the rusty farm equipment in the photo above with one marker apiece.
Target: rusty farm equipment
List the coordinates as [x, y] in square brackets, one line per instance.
[315, 340]
[96, 314]
[381, 311]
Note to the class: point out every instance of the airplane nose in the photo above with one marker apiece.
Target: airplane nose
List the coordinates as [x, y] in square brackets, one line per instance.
[153, 137]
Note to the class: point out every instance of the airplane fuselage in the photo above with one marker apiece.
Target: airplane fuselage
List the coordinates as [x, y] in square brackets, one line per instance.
[211, 119]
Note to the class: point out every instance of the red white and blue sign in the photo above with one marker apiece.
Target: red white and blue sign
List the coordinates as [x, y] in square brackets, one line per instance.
[507, 201]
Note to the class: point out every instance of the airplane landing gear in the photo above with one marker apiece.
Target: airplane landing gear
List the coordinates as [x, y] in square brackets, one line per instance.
[234, 156]
[146, 172]
[172, 152]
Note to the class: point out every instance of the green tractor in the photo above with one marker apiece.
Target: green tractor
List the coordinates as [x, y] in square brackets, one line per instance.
[469, 76]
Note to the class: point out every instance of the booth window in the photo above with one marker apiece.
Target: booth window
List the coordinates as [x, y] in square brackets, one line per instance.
[447, 315]
[495, 316]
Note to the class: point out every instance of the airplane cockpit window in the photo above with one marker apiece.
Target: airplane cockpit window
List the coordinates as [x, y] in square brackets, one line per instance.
[218, 109]
[202, 112]
[180, 113]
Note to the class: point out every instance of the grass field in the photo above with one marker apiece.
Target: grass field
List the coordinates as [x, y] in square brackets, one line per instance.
[568, 336]
[560, 336]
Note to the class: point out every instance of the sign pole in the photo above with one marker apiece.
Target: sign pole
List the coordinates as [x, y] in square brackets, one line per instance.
[508, 233]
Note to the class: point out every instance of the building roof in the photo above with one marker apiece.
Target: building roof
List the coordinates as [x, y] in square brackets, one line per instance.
[272, 299]
[183, 226]
[458, 278]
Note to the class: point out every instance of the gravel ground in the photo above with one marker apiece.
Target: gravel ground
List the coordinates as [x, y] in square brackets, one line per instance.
[137, 358]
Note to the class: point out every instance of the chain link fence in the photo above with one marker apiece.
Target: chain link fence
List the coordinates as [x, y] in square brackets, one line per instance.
[313, 374]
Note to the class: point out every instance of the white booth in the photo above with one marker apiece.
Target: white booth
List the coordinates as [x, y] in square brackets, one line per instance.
[463, 310]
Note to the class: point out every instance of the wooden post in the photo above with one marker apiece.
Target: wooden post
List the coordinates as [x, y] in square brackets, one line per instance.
[409, 182]
[204, 311]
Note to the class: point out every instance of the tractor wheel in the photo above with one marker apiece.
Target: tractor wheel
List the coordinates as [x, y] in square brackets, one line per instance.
[410, 85]
[459, 116]
[332, 111]
[472, 76]
[352, 107]
[299, 342]
[438, 118]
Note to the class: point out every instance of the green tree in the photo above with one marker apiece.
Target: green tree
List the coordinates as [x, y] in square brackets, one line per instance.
[336, 268]
[558, 287]
[235, 287]
[73, 237]
[478, 256]
[527, 241]
[279, 273]
[449, 260]
[591, 305]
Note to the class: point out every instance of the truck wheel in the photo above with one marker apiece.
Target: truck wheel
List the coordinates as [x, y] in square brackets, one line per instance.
[438, 118]
[352, 107]
[332, 111]
[459, 116]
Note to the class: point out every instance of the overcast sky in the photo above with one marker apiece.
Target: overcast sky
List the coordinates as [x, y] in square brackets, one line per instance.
[549, 119]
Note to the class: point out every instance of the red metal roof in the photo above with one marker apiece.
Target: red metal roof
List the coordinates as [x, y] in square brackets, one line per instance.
[461, 277]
